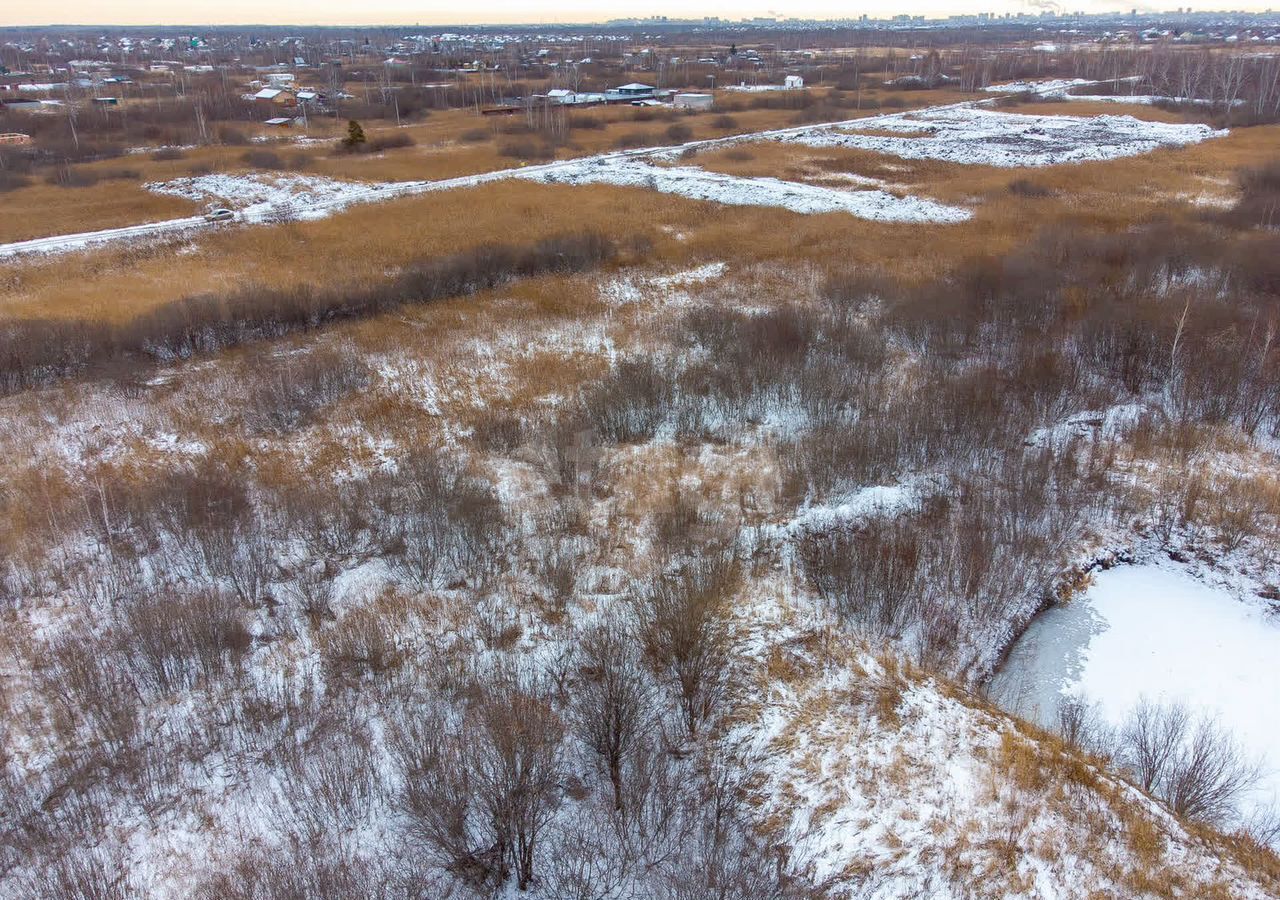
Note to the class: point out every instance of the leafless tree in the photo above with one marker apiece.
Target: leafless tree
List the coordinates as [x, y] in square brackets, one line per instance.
[686, 636]
[1191, 764]
[613, 705]
[483, 794]
[1209, 775]
[1150, 741]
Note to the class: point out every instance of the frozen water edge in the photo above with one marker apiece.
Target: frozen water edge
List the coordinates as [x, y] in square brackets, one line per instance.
[1154, 631]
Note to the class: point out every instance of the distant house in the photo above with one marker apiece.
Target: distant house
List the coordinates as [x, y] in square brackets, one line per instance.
[561, 95]
[14, 138]
[280, 122]
[275, 97]
[693, 101]
[279, 79]
[629, 92]
[793, 82]
[106, 101]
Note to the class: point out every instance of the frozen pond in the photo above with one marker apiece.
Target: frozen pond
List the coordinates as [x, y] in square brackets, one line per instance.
[1155, 631]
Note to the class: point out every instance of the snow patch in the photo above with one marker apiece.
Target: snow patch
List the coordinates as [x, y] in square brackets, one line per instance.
[966, 134]
[732, 190]
[1047, 86]
[261, 193]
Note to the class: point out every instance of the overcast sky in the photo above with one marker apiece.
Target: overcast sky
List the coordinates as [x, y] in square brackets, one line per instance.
[407, 12]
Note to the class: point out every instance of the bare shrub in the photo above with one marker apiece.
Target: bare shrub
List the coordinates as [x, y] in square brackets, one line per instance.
[287, 392]
[394, 141]
[1193, 765]
[559, 569]
[11, 181]
[234, 137]
[1209, 775]
[330, 781]
[178, 642]
[630, 403]
[362, 642]
[481, 797]
[90, 693]
[340, 520]
[321, 870]
[263, 159]
[613, 707]
[724, 122]
[679, 132]
[37, 351]
[1025, 187]
[75, 177]
[499, 432]
[686, 637]
[1259, 203]
[450, 524]
[83, 875]
[871, 575]
[632, 139]
[526, 149]
[1081, 725]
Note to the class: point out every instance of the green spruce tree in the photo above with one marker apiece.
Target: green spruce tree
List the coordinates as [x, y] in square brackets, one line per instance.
[355, 135]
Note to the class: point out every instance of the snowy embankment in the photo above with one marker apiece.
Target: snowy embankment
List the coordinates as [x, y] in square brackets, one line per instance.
[1153, 631]
[886, 785]
[698, 184]
[966, 134]
[1060, 89]
[1143, 99]
[1047, 87]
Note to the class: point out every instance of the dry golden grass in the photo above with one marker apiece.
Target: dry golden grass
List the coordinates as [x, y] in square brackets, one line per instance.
[439, 152]
[1142, 111]
[365, 242]
[42, 210]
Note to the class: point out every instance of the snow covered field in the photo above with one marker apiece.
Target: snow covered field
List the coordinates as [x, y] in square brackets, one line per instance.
[1154, 631]
[967, 134]
[963, 133]
[698, 184]
[258, 193]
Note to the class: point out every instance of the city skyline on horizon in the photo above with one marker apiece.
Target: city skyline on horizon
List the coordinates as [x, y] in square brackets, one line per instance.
[497, 13]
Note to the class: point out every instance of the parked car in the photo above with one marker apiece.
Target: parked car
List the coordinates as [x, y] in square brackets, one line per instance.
[220, 214]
